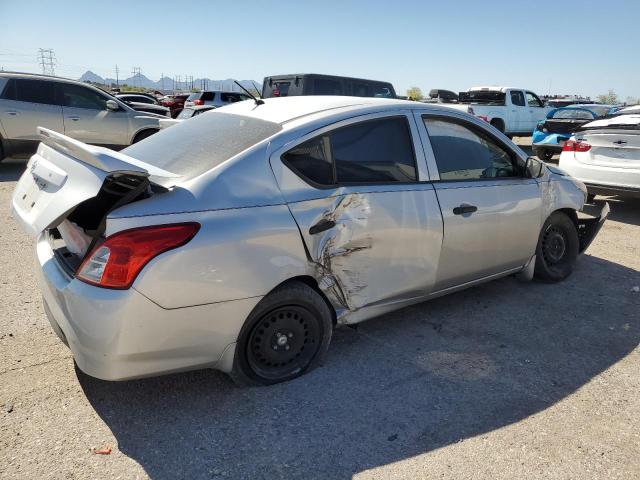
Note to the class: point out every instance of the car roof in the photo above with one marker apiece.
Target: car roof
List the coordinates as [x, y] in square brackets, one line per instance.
[285, 109]
[286, 76]
[38, 76]
[632, 120]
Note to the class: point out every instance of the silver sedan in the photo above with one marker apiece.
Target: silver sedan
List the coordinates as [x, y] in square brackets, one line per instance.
[238, 240]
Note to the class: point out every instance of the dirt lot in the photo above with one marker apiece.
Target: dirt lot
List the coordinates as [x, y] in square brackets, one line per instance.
[506, 380]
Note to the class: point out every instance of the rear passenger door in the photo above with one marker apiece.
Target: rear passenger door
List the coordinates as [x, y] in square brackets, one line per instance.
[27, 104]
[491, 212]
[372, 229]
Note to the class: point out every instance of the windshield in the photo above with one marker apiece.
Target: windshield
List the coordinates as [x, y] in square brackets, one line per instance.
[186, 113]
[484, 97]
[191, 148]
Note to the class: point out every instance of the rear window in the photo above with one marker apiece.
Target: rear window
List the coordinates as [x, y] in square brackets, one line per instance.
[573, 114]
[483, 97]
[194, 96]
[194, 147]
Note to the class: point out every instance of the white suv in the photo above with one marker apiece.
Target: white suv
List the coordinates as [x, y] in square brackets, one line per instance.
[73, 108]
[215, 98]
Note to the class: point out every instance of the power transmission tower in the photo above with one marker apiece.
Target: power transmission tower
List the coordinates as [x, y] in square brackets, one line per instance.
[47, 59]
[136, 76]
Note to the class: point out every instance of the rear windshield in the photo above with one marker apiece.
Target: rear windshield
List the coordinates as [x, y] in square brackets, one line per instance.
[194, 96]
[573, 114]
[194, 147]
[483, 97]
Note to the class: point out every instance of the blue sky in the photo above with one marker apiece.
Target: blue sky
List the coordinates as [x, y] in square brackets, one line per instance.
[583, 47]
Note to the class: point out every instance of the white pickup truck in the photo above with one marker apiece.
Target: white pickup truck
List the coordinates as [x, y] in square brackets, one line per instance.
[513, 111]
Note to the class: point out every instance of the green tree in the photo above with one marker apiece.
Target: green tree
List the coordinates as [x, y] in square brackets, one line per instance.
[609, 98]
[414, 93]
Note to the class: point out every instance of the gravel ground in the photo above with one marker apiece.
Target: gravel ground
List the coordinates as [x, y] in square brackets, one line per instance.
[506, 380]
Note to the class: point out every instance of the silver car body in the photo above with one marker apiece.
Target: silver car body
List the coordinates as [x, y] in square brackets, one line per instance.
[87, 119]
[392, 245]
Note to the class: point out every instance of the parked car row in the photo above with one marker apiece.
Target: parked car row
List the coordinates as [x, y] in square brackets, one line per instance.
[78, 110]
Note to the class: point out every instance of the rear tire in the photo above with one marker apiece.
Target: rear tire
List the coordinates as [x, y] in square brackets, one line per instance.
[143, 134]
[544, 154]
[286, 335]
[557, 250]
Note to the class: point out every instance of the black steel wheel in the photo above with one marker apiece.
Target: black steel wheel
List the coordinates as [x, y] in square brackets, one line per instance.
[557, 250]
[283, 342]
[285, 336]
[544, 154]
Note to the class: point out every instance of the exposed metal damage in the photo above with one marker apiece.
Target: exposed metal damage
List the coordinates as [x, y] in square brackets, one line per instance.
[332, 253]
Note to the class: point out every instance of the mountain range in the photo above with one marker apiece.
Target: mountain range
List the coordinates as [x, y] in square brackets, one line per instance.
[167, 83]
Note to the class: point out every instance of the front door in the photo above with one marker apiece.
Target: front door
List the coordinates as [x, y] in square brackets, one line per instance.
[86, 117]
[491, 212]
[372, 231]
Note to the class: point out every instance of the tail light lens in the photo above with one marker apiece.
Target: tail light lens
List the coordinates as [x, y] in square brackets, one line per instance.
[119, 259]
[198, 102]
[573, 146]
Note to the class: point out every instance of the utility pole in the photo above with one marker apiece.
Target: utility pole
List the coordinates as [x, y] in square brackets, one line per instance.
[162, 81]
[47, 60]
[117, 78]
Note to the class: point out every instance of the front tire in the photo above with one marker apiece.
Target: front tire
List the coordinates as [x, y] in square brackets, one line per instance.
[286, 335]
[557, 250]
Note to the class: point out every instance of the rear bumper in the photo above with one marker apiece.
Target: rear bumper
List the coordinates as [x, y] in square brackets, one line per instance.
[602, 180]
[120, 334]
[552, 142]
[588, 228]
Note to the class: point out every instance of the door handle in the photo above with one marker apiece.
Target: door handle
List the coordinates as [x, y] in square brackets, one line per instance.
[321, 226]
[74, 118]
[12, 113]
[464, 208]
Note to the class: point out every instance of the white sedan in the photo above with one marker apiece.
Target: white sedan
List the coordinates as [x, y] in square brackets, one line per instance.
[605, 155]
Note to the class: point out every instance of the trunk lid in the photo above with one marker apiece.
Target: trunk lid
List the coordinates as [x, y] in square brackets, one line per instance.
[64, 173]
[611, 148]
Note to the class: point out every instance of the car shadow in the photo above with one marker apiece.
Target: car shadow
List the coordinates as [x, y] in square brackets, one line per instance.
[397, 386]
[624, 210]
[11, 169]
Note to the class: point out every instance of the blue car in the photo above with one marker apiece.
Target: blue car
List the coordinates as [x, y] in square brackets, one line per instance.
[551, 133]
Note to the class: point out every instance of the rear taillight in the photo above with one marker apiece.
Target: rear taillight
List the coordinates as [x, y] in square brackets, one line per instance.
[275, 92]
[573, 146]
[119, 259]
[198, 102]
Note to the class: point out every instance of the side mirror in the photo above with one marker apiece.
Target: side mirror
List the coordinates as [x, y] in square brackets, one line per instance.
[112, 105]
[533, 168]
